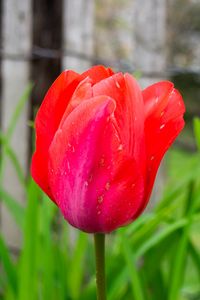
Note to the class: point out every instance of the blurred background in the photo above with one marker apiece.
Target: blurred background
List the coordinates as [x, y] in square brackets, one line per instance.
[158, 256]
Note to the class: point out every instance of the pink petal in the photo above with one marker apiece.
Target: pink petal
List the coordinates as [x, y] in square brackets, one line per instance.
[72, 156]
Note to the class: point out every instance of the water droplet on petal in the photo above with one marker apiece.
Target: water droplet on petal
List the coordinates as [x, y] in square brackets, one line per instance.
[117, 84]
[102, 162]
[98, 212]
[68, 165]
[152, 157]
[100, 199]
[162, 126]
[90, 178]
[120, 147]
[107, 186]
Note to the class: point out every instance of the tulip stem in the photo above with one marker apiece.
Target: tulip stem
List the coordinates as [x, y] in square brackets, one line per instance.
[99, 241]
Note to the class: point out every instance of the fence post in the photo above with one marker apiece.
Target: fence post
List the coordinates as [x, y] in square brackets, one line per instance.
[78, 23]
[16, 44]
[150, 52]
[150, 39]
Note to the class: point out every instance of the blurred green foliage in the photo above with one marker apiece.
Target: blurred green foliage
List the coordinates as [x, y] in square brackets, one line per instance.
[155, 257]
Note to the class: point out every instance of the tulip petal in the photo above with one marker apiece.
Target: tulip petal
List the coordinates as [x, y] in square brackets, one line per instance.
[115, 88]
[129, 112]
[156, 98]
[47, 122]
[97, 73]
[72, 156]
[136, 108]
[122, 196]
[82, 92]
[164, 121]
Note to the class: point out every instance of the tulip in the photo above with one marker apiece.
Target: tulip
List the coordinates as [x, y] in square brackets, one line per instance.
[99, 142]
[100, 139]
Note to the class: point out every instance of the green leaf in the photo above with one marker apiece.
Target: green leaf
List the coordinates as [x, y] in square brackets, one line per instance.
[159, 237]
[178, 263]
[16, 210]
[5, 138]
[136, 282]
[8, 151]
[146, 245]
[28, 280]
[75, 278]
[8, 266]
[118, 286]
[195, 256]
[196, 124]
[47, 253]
[18, 110]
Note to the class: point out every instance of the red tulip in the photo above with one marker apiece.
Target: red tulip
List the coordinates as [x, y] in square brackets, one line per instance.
[99, 143]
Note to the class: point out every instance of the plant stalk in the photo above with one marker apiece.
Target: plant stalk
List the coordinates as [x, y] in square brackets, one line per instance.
[99, 241]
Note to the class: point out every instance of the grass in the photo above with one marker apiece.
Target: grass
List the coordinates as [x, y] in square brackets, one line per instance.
[155, 257]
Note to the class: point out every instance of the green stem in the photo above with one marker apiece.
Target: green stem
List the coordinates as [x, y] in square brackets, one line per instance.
[99, 241]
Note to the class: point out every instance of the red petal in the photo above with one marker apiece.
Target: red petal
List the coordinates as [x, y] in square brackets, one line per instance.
[47, 122]
[124, 197]
[126, 93]
[97, 73]
[129, 113]
[136, 108]
[82, 92]
[164, 121]
[156, 98]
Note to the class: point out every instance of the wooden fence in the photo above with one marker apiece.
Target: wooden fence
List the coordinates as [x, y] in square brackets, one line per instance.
[41, 38]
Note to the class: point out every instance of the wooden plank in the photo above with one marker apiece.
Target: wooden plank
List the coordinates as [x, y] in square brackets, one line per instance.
[47, 34]
[150, 39]
[78, 23]
[16, 34]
